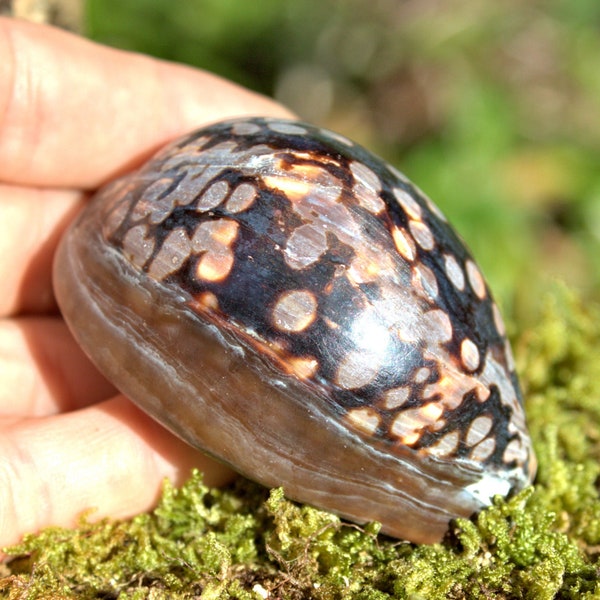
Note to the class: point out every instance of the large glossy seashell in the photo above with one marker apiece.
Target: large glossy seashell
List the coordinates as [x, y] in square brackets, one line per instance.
[279, 297]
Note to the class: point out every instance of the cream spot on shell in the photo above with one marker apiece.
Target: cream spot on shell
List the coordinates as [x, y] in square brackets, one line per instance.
[364, 419]
[438, 325]
[216, 265]
[305, 246]
[362, 174]
[498, 320]
[438, 425]
[207, 300]
[410, 206]
[367, 187]
[213, 196]
[476, 279]
[483, 450]
[408, 424]
[398, 174]
[337, 137]
[431, 412]
[241, 198]
[286, 128]
[368, 200]
[175, 250]
[422, 375]
[299, 182]
[445, 446]
[158, 201]
[331, 324]
[196, 178]
[434, 208]
[408, 330]
[422, 234]
[514, 451]
[478, 430]
[364, 269]
[404, 243]
[303, 367]
[395, 397]
[214, 238]
[210, 235]
[454, 271]
[137, 248]
[295, 310]
[510, 360]
[357, 369]
[424, 279]
[469, 355]
[225, 232]
[245, 128]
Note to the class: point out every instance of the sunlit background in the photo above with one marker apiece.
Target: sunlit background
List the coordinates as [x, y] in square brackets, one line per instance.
[493, 108]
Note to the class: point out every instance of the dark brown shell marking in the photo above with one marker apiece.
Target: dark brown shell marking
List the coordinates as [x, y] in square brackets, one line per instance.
[271, 285]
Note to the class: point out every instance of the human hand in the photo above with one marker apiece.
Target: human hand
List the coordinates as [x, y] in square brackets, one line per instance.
[74, 115]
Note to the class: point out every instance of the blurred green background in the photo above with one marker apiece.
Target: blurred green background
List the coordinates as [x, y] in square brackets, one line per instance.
[492, 108]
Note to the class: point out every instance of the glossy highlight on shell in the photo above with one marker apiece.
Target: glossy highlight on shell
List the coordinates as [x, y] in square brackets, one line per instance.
[284, 300]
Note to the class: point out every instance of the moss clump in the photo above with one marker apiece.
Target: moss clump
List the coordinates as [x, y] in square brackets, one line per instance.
[190, 543]
[243, 543]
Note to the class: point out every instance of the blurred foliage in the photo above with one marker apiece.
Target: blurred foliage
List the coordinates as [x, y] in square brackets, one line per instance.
[490, 107]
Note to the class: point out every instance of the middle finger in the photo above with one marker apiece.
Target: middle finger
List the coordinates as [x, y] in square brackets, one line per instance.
[43, 371]
[31, 223]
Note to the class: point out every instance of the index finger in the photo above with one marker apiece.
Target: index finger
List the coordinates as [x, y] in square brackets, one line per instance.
[74, 113]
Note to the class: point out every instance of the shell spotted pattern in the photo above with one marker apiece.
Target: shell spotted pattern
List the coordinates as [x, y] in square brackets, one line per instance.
[337, 271]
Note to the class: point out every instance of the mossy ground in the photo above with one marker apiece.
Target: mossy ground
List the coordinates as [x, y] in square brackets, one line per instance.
[244, 542]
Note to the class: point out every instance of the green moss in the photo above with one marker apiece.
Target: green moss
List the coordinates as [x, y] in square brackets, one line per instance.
[243, 542]
[189, 543]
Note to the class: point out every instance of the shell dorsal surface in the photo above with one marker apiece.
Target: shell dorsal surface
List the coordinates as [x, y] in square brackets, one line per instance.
[270, 285]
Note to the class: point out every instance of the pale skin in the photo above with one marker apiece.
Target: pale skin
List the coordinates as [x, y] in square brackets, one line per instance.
[73, 115]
